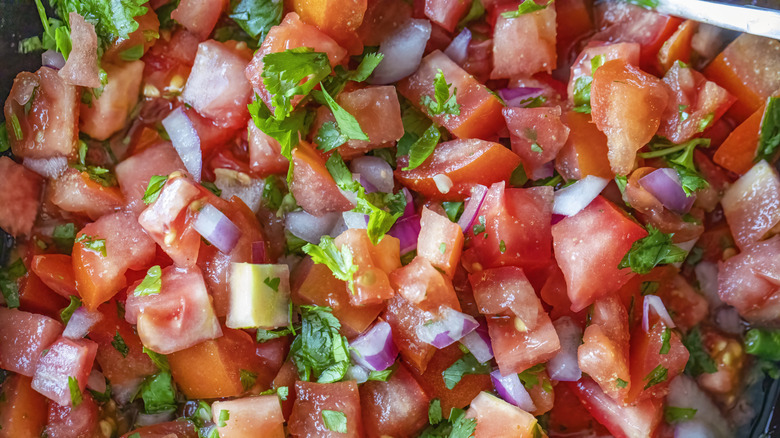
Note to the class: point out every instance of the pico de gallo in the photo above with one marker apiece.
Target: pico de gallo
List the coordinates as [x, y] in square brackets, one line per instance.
[373, 218]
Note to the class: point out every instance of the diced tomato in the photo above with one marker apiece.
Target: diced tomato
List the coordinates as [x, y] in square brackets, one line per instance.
[99, 277]
[718, 179]
[523, 45]
[423, 286]
[306, 419]
[290, 34]
[737, 153]
[479, 59]
[313, 186]
[56, 271]
[573, 22]
[23, 411]
[583, 66]
[36, 297]
[339, 19]
[604, 352]
[465, 162]
[745, 69]
[446, 13]
[199, 16]
[76, 192]
[167, 64]
[65, 359]
[678, 46]
[537, 134]
[50, 127]
[396, 407]
[569, 416]
[287, 376]
[480, 111]
[146, 36]
[647, 355]
[507, 292]
[69, 422]
[271, 355]
[585, 151]
[748, 281]
[250, 415]
[178, 317]
[107, 114]
[371, 285]
[518, 348]
[381, 19]
[499, 419]
[135, 171]
[637, 421]
[687, 307]
[179, 429]
[752, 204]
[404, 317]
[440, 241]
[265, 153]
[314, 284]
[20, 205]
[553, 294]
[589, 247]
[616, 86]
[217, 87]
[512, 228]
[23, 337]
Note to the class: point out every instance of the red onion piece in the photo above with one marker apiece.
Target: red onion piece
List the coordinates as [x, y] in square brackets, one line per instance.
[409, 210]
[511, 389]
[564, 366]
[570, 200]
[81, 322]
[97, 382]
[403, 51]
[513, 97]
[654, 302]
[217, 229]
[185, 140]
[374, 349]
[375, 171]
[556, 218]
[478, 343]
[52, 59]
[364, 182]
[450, 327]
[458, 50]
[686, 246]
[258, 252]
[472, 206]
[309, 227]
[407, 230]
[664, 184]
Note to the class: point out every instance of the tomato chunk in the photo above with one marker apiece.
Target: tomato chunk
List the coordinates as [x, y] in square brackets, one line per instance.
[499, 419]
[107, 114]
[56, 271]
[23, 412]
[339, 19]
[506, 291]
[313, 186]
[179, 429]
[524, 45]
[446, 13]
[249, 415]
[583, 65]
[518, 348]
[738, 151]
[748, 281]
[404, 317]
[20, 205]
[67, 421]
[23, 337]
[649, 351]
[537, 134]
[312, 399]
[585, 151]
[199, 16]
[752, 204]
[65, 359]
[265, 153]
[440, 241]
[35, 296]
[396, 407]
[76, 192]
[371, 283]
[424, 286]
[134, 172]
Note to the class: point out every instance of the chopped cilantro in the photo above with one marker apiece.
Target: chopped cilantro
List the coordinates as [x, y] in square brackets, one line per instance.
[8, 282]
[518, 177]
[530, 377]
[158, 393]
[647, 4]
[339, 261]
[18, 134]
[467, 364]
[666, 337]
[151, 284]
[156, 183]
[224, 416]
[340, 173]
[479, 227]
[294, 72]
[415, 124]
[210, 186]
[319, 351]
[272, 192]
[273, 283]
[650, 251]
[656, 376]
[329, 137]
[256, 17]
[423, 147]
[699, 361]
[286, 130]
[453, 209]
[649, 287]
[673, 414]
[705, 122]
[620, 383]
[334, 421]
[381, 376]
[382, 212]
[442, 102]
[526, 7]
[119, 344]
[442, 247]
[133, 53]
[64, 236]
[680, 158]
[66, 313]
[347, 127]
[458, 426]
[502, 247]
[282, 392]
[159, 360]
[769, 137]
[434, 412]
[5, 142]
[266, 335]
[476, 11]
[75, 391]
[93, 243]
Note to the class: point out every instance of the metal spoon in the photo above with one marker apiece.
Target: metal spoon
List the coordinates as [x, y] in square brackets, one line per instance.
[751, 19]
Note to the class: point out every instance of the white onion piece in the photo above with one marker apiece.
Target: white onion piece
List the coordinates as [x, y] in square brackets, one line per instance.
[309, 227]
[458, 50]
[374, 349]
[123, 392]
[693, 429]
[375, 171]
[407, 230]
[684, 392]
[511, 389]
[234, 183]
[403, 51]
[443, 183]
[686, 246]
[707, 275]
[81, 322]
[472, 206]
[144, 419]
[478, 343]
[47, 167]
[185, 140]
[357, 373]
[351, 196]
[53, 59]
[570, 200]
[97, 381]
[450, 327]
[216, 228]
[564, 366]
[354, 219]
[654, 302]
[727, 319]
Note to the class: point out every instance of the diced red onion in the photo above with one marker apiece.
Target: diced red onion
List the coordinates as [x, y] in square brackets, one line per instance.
[654, 302]
[309, 227]
[52, 59]
[185, 140]
[374, 171]
[407, 230]
[570, 200]
[144, 419]
[258, 252]
[556, 218]
[511, 389]
[81, 322]
[665, 185]
[564, 366]
[478, 343]
[692, 429]
[472, 206]
[409, 210]
[47, 167]
[354, 219]
[97, 381]
[686, 246]
[364, 182]
[546, 170]
[403, 51]
[358, 373]
[450, 327]
[217, 229]
[374, 349]
[458, 50]
[514, 96]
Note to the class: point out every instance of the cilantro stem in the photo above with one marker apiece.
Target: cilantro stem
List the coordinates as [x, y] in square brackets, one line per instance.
[662, 152]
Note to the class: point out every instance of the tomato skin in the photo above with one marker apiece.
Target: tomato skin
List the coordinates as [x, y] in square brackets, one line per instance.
[745, 281]
[516, 351]
[339, 19]
[68, 422]
[250, 415]
[23, 412]
[76, 192]
[423, 286]
[524, 45]
[66, 358]
[752, 204]
[404, 317]
[179, 429]
[199, 16]
[687, 305]
[23, 337]
[589, 246]
[738, 150]
[585, 151]
[397, 407]
[465, 162]
[678, 46]
[134, 172]
[573, 22]
[108, 113]
[313, 186]
[312, 398]
[20, 205]
[435, 231]
[646, 356]
[534, 128]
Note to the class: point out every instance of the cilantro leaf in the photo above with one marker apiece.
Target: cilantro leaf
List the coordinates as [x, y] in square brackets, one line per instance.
[647, 4]
[273, 193]
[458, 426]
[656, 376]
[476, 11]
[281, 391]
[320, 351]
[5, 142]
[367, 66]
[329, 137]
[620, 383]
[224, 416]
[442, 102]
[158, 393]
[334, 421]
[699, 360]
[112, 19]
[467, 364]
[650, 251]
[75, 391]
[98, 174]
[266, 335]
[453, 210]
[291, 73]
[666, 337]
[673, 414]
[335, 83]
[434, 412]
[151, 284]
[340, 173]
[530, 377]
[66, 313]
[379, 220]
[256, 17]
[348, 126]
[527, 7]
[286, 130]
[339, 261]
[415, 124]
[769, 137]
[248, 379]
[119, 344]
[156, 183]
[160, 360]
[381, 376]
[8, 282]
[423, 147]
